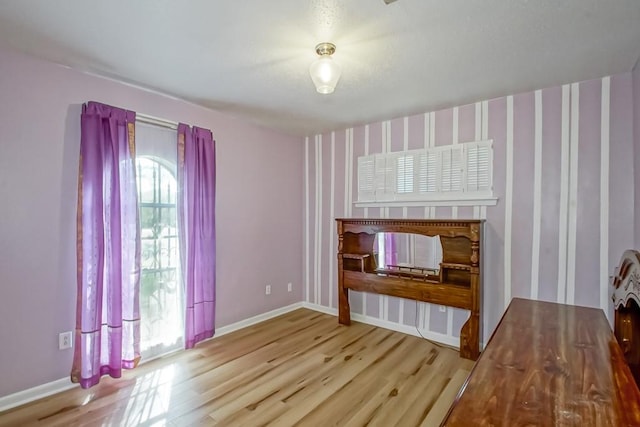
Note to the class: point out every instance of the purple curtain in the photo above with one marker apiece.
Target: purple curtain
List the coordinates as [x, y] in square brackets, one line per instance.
[107, 336]
[390, 249]
[196, 218]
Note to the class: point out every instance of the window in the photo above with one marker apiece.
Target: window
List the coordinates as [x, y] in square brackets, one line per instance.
[161, 300]
[461, 172]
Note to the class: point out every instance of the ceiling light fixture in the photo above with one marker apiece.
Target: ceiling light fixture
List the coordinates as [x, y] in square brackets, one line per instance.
[324, 72]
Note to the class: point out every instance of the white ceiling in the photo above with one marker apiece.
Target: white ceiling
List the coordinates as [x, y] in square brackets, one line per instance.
[250, 58]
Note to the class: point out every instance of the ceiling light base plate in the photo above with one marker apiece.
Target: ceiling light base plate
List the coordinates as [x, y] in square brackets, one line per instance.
[325, 49]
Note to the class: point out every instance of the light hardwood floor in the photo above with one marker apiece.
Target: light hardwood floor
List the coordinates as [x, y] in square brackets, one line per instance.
[301, 368]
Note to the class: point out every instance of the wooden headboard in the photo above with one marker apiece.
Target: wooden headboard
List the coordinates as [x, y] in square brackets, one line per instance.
[626, 302]
[457, 284]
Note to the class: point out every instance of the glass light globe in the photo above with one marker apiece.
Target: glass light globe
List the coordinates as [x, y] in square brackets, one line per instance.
[325, 74]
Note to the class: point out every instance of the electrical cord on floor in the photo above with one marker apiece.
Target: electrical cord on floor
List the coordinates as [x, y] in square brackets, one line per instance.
[415, 323]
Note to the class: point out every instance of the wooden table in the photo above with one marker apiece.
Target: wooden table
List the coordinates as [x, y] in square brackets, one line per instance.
[549, 365]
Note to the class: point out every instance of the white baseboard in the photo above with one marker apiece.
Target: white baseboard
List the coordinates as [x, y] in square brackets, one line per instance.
[44, 390]
[35, 393]
[445, 339]
[256, 319]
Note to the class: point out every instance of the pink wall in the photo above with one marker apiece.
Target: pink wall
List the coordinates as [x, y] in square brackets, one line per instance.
[574, 222]
[259, 210]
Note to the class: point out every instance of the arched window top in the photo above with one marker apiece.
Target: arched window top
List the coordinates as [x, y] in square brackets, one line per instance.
[157, 181]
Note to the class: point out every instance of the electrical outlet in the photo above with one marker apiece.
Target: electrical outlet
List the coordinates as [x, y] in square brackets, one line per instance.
[289, 287]
[443, 309]
[267, 290]
[65, 340]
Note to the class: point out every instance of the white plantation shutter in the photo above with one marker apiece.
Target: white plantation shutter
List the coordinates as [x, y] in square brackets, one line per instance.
[366, 178]
[451, 169]
[453, 172]
[385, 179]
[427, 171]
[479, 167]
[404, 168]
[390, 178]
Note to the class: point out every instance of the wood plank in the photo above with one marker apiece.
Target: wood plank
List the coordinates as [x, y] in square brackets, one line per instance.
[436, 293]
[300, 368]
[549, 364]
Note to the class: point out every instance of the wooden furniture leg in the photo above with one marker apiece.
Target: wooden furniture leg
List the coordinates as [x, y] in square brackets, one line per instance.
[344, 311]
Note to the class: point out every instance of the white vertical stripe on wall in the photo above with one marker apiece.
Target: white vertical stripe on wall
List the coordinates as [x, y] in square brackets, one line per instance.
[350, 207]
[508, 201]
[386, 215]
[604, 195]
[315, 221]
[484, 136]
[454, 210]
[427, 130]
[350, 180]
[564, 195]
[385, 298]
[573, 193]
[346, 173]
[332, 214]
[424, 312]
[478, 122]
[318, 251]
[366, 210]
[476, 136]
[405, 211]
[485, 120]
[410, 250]
[383, 126]
[383, 133]
[537, 195]
[426, 135]
[405, 134]
[454, 141]
[432, 142]
[306, 219]
[432, 210]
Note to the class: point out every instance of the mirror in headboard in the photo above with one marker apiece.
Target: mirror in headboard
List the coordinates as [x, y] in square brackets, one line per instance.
[409, 255]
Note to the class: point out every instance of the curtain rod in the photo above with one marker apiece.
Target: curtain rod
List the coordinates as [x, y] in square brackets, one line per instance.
[144, 118]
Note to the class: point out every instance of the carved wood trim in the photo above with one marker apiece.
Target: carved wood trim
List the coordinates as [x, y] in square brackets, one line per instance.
[626, 283]
[626, 302]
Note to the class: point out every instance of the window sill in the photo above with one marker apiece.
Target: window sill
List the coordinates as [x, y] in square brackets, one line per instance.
[453, 201]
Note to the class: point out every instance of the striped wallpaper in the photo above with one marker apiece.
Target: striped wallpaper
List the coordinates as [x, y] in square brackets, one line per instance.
[563, 175]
